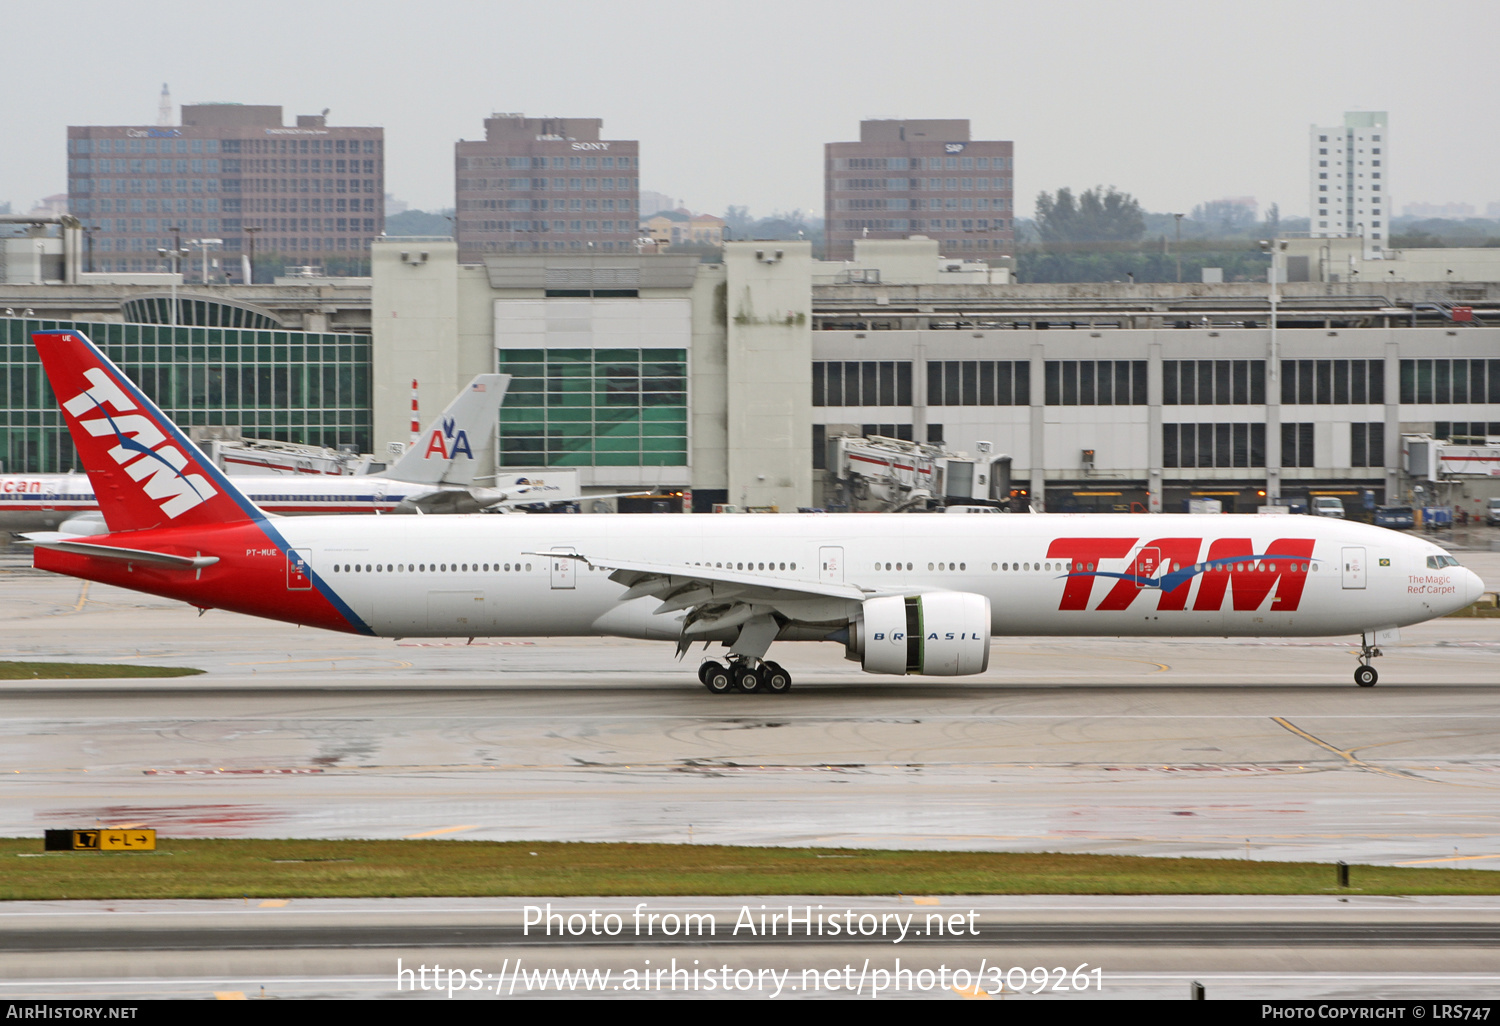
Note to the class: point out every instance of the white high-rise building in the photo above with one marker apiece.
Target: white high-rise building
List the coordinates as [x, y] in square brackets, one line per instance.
[1349, 180]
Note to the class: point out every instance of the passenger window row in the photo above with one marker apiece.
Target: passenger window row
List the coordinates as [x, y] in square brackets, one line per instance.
[423, 568]
[748, 566]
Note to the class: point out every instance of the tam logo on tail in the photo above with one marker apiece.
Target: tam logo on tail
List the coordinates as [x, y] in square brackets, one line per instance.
[438, 446]
[141, 450]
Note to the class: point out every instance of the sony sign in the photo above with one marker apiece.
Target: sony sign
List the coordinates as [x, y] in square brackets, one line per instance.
[591, 146]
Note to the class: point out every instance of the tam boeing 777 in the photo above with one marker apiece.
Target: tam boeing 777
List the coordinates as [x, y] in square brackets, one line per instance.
[902, 593]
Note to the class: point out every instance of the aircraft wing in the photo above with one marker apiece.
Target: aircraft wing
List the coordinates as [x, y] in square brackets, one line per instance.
[507, 501]
[440, 500]
[718, 599]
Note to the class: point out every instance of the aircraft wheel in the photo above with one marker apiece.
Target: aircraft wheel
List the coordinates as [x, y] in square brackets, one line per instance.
[1366, 676]
[778, 681]
[705, 668]
[750, 680]
[718, 680]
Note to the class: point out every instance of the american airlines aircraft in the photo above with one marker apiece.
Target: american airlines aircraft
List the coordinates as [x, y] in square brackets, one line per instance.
[436, 475]
[903, 593]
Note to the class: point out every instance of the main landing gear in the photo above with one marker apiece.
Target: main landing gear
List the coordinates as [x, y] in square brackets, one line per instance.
[752, 676]
[1366, 676]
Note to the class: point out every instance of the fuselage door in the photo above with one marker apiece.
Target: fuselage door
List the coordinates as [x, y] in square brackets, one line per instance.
[297, 578]
[831, 564]
[1354, 567]
[1148, 569]
[564, 571]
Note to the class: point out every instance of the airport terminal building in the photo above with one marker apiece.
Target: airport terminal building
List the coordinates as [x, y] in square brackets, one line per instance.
[728, 379]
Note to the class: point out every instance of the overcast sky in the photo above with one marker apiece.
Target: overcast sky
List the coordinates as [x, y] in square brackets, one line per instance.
[1175, 101]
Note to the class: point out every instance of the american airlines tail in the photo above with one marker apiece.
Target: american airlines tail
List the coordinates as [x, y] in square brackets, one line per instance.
[444, 453]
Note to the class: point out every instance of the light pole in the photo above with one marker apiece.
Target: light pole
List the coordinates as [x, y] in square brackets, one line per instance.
[1275, 247]
[250, 234]
[1177, 248]
[176, 257]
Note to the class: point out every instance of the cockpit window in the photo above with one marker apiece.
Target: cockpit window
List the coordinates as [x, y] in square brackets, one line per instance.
[1438, 562]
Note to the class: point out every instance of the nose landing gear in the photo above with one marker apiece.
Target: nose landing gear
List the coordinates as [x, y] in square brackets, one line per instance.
[1366, 676]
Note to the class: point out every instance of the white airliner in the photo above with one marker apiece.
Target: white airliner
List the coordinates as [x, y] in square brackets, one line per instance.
[436, 475]
[903, 593]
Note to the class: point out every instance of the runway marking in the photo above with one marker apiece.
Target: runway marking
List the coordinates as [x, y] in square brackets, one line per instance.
[1451, 858]
[972, 993]
[83, 596]
[444, 830]
[1256, 840]
[229, 995]
[1348, 756]
[1160, 667]
[925, 901]
[1359, 763]
[301, 770]
[273, 903]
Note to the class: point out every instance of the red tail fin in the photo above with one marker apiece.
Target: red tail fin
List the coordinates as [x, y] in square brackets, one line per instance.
[145, 472]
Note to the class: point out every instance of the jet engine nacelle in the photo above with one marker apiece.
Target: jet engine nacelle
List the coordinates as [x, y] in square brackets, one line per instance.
[946, 634]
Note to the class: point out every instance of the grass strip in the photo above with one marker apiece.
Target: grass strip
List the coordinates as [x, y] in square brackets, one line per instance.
[1479, 609]
[448, 868]
[87, 671]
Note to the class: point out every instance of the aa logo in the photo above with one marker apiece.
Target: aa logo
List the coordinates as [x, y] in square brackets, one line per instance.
[447, 443]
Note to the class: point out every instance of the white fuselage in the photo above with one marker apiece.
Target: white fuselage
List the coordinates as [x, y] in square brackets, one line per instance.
[482, 576]
[43, 502]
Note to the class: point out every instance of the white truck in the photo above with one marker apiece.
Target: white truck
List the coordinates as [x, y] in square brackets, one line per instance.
[1327, 506]
[892, 475]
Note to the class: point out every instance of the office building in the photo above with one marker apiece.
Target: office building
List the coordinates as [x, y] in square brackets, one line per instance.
[1349, 181]
[309, 195]
[906, 178]
[546, 184]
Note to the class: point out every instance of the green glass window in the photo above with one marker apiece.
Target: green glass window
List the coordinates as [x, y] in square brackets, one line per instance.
[195, 381]
[605, 407]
